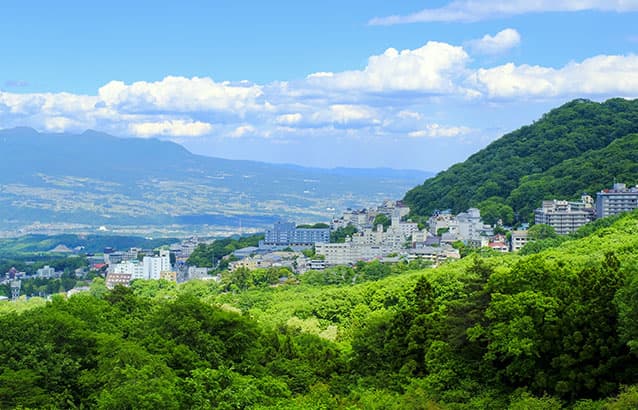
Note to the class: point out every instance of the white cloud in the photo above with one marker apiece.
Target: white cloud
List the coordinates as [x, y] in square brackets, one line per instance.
[501, 42]
[289, 119]
[439, 131]
[431, 69]
[597, 76]
[180, 94]
[242, 130]
[473, 10]
[398, 93]
[171, 128]
[343, 113]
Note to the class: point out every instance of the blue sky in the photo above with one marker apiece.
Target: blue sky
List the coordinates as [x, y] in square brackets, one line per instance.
[419, 84]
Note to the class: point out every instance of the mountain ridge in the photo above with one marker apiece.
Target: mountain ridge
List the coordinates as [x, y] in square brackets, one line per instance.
[95, 178]
[501, 172]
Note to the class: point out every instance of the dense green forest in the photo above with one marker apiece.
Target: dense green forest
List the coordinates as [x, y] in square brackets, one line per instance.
[579, 147]
[557, 328]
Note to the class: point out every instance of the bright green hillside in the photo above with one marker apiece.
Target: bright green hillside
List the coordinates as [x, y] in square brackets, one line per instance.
[556, 329]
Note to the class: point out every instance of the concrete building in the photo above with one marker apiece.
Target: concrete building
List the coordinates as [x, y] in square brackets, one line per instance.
[287, 234]
[435, 254]
[196, 273]
[616, 200]
[134, 269]
[518, 240]
[155, 265]
[46, 272]
[351, 252]
[470, 225]
[562, 216]
[151, 267]
[114, 279]
[251, 263]
[440, 221]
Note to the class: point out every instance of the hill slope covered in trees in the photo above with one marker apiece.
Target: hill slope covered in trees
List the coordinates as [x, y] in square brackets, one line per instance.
[557, 329]
[579, 147]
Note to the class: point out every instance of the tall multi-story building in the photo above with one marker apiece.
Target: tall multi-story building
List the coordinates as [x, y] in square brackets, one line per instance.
[470, 225]
[565, 217]
[155, 265]
[287, 234]
[616, 200]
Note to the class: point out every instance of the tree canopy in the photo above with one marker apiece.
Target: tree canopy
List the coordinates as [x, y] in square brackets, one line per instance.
[553, 329]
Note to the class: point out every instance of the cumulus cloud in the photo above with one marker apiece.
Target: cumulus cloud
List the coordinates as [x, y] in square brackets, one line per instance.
[503, 41]
[397, 93]
[432, 68]
[181, 94]
[597, 76]
[171, 128]
[439, 131]
[472, 10]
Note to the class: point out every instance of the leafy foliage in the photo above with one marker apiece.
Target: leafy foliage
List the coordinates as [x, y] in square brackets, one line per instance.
[551, 329]
[339, 235]
[207, 254]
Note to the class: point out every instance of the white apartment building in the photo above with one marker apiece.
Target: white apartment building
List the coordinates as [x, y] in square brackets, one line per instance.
[562, 216]
[349, 252]
[133, 268]
[155, 265]
[616, 200]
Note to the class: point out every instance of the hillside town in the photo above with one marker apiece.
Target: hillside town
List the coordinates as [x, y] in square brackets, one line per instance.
[384, 233]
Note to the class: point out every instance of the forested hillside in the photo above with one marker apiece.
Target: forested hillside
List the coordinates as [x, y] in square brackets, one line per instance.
[568, 151]
[556, 329]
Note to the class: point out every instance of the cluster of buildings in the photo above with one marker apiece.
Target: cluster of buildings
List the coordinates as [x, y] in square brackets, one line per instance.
[399, 239]
[566, 217]
[122, 267]
[293, 260]
[13, 278]
[466, 227]
[150, 267]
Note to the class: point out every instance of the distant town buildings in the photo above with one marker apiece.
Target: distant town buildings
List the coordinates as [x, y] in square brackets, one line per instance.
[151, 267]
[45, 272]
[401, 238]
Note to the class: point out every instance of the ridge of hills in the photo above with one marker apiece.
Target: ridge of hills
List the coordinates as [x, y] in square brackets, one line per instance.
[579, 147]
[98, 179]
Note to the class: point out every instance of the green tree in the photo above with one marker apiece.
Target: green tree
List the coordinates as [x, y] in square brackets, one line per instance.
[540, 232]
[382, 219]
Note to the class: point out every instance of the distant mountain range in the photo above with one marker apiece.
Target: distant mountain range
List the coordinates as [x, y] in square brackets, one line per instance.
[582, 146]
[98, 179]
